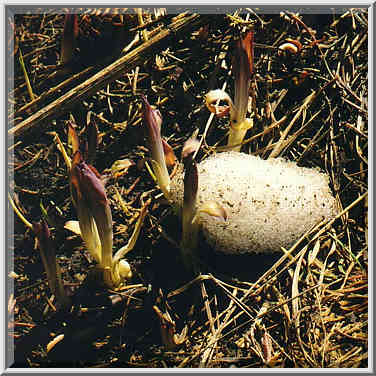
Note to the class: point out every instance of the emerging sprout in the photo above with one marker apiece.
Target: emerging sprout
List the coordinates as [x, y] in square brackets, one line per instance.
[160, 150]
[191, 211]
[89, 145]
[190, 229]
[95, 219]
[48, 255]
[70, 34]
[242, 67]
[170, 338]
[94, 215]
[93, 211]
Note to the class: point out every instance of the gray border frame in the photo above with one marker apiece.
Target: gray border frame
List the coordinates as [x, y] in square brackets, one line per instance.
[9, 215]
[9, 10]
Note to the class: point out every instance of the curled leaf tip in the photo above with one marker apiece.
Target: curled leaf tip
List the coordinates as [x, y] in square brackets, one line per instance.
[92, 184]
[74, 178]
[291, 45]
[214, 209]
[169, 154]
[77, 158]
[73, 140]
[190, 147]
[216, 96]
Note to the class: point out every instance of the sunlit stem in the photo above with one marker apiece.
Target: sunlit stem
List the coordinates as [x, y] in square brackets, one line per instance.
[104, 226]
[28, 85]
[120, 270]
[18, 212]
[61, 147]
[190, 228]
[237, 134]
[48, 255]
[239, 112]
[89, 233]
[70, 34]
[242, 69]
[151, 172]
[141, 23]
[153, 121]
[162, 177]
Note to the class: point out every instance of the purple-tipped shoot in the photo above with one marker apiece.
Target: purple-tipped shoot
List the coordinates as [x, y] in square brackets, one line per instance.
[153, 122]
[88, 145]
[69, 40]
[95, 220]
[93, 210]
[242, 67]
[190, 229]
[92, 140]
[70, 34]
[191, 210]
[48, 255]
[73, 140]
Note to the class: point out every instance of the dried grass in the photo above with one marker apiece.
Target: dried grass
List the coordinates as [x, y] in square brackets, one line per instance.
[309, 309]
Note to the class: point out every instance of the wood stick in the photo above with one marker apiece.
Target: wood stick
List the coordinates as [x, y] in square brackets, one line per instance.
[107, 75]
[45, 96]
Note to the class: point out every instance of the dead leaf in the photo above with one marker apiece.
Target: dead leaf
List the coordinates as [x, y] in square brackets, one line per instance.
[169, 154]
[54, 342]
[73, 226]
[120, 167]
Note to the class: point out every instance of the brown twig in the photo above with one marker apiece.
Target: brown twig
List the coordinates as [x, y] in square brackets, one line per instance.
[107, 75]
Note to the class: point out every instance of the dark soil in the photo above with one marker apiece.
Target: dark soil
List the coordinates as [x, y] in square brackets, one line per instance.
[120, 329]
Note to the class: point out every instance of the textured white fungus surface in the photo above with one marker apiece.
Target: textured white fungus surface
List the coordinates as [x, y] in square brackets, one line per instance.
[270, 203]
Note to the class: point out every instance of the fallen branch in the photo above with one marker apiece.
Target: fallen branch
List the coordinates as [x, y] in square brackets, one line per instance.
[49, 93]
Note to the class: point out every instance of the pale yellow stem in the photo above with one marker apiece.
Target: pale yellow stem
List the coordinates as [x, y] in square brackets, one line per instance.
[237, 134]
[141, 23]
[62, 150]
[18, 212]
[28, 85]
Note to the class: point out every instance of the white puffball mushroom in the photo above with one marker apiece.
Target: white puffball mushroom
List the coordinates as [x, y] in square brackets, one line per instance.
[269, 203]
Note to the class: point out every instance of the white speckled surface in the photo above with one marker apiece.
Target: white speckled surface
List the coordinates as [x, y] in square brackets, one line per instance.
[270, 203]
